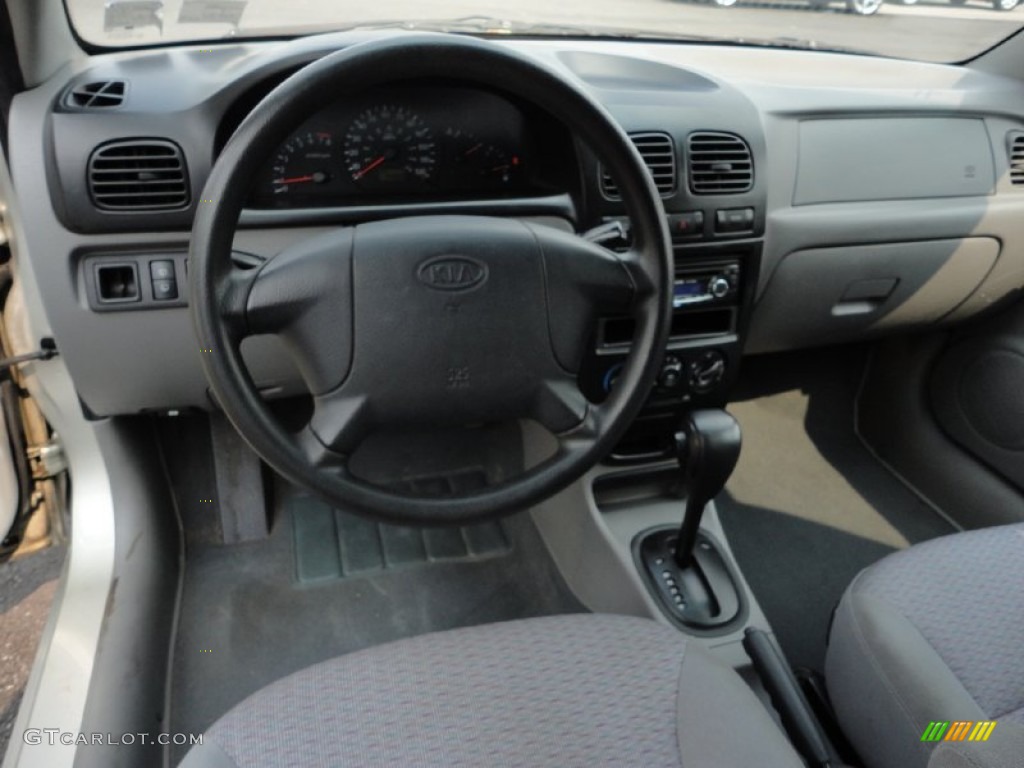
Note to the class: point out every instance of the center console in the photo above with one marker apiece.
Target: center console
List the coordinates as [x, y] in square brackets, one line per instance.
[713, 295]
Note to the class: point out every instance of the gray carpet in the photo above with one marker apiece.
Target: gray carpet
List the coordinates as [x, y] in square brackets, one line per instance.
[247, 619]
[809, 506]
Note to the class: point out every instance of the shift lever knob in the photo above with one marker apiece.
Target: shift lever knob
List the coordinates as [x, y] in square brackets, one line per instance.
[707, 447]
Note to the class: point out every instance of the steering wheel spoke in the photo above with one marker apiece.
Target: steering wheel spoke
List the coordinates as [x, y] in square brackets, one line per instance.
[645, 281]
[304, 295]
[560, 407]
[316, 454]
[341, 422]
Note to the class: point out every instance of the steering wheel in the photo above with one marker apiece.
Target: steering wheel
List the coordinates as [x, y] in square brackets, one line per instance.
[431, 321]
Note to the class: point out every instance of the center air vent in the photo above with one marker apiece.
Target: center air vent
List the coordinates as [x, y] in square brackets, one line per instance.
[138, 175]
[1017, 159]
[720, 164]
[105, 93]
[658, 152]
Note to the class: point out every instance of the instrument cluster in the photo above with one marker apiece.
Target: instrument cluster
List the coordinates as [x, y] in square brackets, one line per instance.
[407, 144]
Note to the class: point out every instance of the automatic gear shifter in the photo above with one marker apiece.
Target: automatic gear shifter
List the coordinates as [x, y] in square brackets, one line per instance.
[707, 448]
[683, 566]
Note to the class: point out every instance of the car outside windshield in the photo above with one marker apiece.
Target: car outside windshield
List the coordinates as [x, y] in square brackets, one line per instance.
[926, 30]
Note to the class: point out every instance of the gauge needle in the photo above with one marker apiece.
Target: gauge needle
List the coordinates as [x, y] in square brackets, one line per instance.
[319, 177]
[363, 171]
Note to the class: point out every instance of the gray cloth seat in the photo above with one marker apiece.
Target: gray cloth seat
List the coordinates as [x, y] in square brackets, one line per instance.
[935, 632]
[582, 690]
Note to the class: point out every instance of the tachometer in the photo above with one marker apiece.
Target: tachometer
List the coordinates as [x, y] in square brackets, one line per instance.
[304, 161]
[386, 145]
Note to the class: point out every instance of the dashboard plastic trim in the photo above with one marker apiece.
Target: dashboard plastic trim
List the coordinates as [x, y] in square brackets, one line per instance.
[554, 205]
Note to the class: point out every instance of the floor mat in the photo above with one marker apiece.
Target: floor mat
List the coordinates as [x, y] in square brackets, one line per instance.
[330, 544]
[27, 587]
[808, 505]
[247, 619]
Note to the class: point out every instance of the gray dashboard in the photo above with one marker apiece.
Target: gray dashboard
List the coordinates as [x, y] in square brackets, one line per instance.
[881, 193]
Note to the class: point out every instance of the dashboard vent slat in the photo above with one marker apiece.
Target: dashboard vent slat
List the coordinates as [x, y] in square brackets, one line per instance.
[719, 164]
[1017, 159]
[102, 94]
[138, 175]
[659, 155]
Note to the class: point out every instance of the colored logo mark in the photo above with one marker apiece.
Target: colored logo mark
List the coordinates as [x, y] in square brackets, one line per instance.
[958, 730]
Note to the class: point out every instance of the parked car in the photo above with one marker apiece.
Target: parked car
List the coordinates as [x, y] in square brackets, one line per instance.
[859, 7]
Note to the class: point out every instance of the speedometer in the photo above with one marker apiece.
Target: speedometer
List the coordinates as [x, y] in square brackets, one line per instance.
[388, 145]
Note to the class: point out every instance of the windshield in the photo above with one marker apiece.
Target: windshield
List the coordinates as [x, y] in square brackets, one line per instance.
[927, 30]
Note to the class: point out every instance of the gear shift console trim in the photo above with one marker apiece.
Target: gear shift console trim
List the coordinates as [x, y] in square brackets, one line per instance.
[701, 596]
[682, 566]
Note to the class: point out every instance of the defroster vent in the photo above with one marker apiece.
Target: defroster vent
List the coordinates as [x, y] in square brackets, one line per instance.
[138, 175]
[100, 94]
[658, 152]
[719, 164]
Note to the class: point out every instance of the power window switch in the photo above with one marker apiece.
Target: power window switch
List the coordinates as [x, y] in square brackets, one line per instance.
[165, 290]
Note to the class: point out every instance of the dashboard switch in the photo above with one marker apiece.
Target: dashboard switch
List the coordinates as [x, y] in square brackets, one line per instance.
[165, 290]
[731, 220]
[685, 225]
[162, 269]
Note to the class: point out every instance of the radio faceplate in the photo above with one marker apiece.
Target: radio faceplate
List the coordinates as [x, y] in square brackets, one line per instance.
[707, 286]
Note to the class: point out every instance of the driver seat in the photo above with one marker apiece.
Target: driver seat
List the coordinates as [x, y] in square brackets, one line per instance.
[577, 690]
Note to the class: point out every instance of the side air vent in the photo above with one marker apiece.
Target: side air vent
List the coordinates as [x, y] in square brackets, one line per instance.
[98, 95]
[659, 154]
[138, 175]
[1017, 159]
[720, 164]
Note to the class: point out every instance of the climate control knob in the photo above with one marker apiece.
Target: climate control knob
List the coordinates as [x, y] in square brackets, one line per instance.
[707, 371]
[671, 375]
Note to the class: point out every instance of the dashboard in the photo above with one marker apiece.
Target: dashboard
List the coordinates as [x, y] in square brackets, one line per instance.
[414, 143]
[811, 197]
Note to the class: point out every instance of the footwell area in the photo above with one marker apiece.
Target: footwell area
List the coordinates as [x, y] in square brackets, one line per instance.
[809, 506]
[330, 544]
[326, 583]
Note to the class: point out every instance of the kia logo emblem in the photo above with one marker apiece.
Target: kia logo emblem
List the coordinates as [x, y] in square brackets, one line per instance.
[452, 273]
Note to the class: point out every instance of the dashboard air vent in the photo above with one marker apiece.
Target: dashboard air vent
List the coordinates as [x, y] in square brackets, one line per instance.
[720, 164]
[138, 175]
[101, 94]
[1017, 159]
[658, 152]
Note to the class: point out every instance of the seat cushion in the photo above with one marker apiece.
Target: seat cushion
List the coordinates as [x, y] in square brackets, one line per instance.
[584, 690]
[935, 632]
